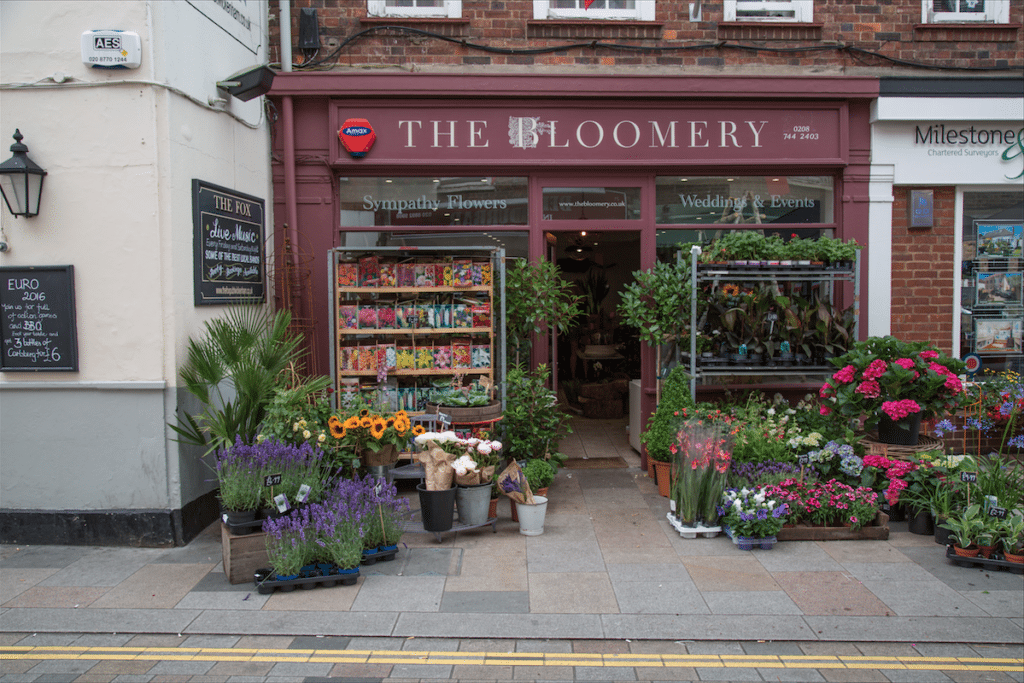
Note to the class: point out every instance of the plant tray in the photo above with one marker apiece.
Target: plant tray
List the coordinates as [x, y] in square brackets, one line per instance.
[980, 561]
[766, 543]
[692, 531]
[381, 554]
[878, 530]
[267, 582]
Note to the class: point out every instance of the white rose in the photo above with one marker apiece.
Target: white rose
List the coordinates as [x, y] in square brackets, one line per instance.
[322, 437]
[306, 434]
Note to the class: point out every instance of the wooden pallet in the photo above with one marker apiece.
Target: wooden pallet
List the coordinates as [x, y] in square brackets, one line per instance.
[243, 555]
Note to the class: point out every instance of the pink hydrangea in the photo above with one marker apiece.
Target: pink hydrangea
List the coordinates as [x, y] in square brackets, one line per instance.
[928, 355]
[845, 375]
[905, 363]
[892, 494]
[825, 410]
[953, 384]
[869, 388]
[875, 370]
[940, 369]
[897, 410]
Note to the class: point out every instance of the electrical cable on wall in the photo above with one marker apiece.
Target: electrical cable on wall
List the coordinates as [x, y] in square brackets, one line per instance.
[856, 52]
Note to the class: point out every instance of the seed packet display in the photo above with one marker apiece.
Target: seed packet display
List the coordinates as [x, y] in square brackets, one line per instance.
[462, 272]
[481, 355]
[386, 319]
[406, 275]
[346, 358]
[485, 274]
[348, 274]
[369, 271]
[477, 273]
[461, 353]
[407, 398]
[348, 317]
[405, 358]
[442, 315]
[388, 274]
[368, 317]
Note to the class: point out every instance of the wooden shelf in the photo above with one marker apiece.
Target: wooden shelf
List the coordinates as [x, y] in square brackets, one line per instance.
[483, 289]
[417, 372]
[422, 331]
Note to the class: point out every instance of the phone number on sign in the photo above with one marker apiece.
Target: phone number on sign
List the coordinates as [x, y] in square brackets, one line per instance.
[800, 133]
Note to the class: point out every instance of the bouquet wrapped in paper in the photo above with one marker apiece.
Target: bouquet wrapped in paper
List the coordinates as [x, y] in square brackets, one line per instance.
[437, 466]
[512, 482]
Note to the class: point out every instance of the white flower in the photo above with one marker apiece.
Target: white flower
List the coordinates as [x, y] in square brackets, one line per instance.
[423, 438]
[464, 465]
[295, 427]
[322, 437]
[495, 445]
[306, 434]
[483, 448]
[771, 411]
[759, 497]
[302, 423]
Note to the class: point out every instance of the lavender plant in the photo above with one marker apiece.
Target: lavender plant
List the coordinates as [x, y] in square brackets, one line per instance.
[288, 545]
[297, 465]
[239, 478]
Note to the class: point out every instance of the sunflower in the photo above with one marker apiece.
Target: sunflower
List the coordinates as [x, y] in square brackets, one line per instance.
[731, 290]
[390, 422]
[401, 414]
[402, 426]
[336, 427]
[377, 428]
[365, 412]
[365, 422]
[418, 429]
[352, 423]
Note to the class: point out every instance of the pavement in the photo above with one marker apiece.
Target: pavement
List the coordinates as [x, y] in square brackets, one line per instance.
[609, 591]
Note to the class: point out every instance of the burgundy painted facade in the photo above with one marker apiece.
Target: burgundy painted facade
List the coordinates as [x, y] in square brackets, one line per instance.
[603, 134]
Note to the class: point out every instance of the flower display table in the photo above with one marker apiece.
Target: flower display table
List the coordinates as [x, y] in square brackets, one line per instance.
[878, 530]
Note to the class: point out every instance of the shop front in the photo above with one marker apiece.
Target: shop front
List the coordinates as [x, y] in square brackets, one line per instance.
[602, 174]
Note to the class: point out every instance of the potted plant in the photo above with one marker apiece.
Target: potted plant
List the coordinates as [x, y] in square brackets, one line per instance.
[238, 474]
[1013, 537]
[536, 295]
[966, 525]
[894, 384]
[533, 422]
[662, 426]
[374, 437]
[539, 474]
[288, 547]
[703, 453]
[752, 518]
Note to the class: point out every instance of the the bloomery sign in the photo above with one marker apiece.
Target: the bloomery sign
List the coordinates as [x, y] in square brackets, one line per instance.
[530, 135]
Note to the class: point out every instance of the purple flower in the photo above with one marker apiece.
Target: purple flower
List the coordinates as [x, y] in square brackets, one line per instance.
[762, 514]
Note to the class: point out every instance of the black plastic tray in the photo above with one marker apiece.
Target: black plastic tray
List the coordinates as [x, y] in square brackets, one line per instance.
[380, 556]
[266, 581]
[980, 561]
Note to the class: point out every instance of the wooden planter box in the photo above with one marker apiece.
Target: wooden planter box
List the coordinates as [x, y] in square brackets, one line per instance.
[469, 414]
[243, 555]
[878, 530]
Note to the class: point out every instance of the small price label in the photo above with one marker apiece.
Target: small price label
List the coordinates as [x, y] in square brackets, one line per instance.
[772, 317]
[969, 477]
[272, 480]
[378, 488]
[998, 513]
[281, 501]
[672, 504]
[303, 493]
[804, 459]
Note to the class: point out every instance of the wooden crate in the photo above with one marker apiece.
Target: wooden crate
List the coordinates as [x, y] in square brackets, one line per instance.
[243, 555]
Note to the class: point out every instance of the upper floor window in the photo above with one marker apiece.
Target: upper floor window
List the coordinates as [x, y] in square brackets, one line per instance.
[962, 11]
[636, 10]
[769, 10]
[451, 9]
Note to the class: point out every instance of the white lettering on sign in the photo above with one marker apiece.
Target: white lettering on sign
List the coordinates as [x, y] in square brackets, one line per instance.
[452, 201]
[106, 42]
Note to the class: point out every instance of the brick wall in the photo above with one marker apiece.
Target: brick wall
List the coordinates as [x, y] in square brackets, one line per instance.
[845, 29]
[923, 271]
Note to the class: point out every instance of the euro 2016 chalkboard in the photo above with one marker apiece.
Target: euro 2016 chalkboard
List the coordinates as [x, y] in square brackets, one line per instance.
[38, 331]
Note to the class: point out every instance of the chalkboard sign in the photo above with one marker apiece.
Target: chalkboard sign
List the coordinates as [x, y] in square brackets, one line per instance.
[230, 263]
[38, 332]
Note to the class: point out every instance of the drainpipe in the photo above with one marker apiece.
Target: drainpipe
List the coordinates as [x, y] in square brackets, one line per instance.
[288, 142]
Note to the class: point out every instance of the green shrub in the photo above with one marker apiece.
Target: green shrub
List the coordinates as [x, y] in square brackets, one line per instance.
[663, 425]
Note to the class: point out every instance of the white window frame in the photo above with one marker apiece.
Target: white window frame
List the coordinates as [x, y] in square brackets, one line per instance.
[644, 11]
[378, 8]
[996, 12]
[803, 10]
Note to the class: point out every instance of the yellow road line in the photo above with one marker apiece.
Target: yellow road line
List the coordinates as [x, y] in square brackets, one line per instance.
[539, 659]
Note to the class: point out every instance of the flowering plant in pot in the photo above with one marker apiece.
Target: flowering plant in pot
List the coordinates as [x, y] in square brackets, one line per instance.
[751, 514]
[299, 466]
[826, 503]
[887, 380]
[703, 452]
[1013, 537]
[376, 437]
[239, 476]
[381, 512]
[289, 548]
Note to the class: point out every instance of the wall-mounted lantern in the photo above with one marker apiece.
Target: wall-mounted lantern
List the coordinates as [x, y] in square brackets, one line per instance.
[21, 180]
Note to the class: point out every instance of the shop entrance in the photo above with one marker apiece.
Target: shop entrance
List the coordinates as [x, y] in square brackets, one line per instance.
[595, 360]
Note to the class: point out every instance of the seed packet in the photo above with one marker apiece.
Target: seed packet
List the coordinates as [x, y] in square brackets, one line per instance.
[448, 274]
[481, 313]
[477, 273]
[405, 358]
[367, 317]
[345, 358]
[481, 356]
[369, 271]
[386, 319]
[461, 357]
[388, 274]
[461, 316]
[424, 357]
[462, 272]
[406, 275]
[442, 357]
[485, 274]
[444, 315]
[367, 357]
[348, 317]
[348, 274]
[424, 275]
[386, 356]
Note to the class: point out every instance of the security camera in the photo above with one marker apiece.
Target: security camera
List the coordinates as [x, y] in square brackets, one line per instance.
[249, 83]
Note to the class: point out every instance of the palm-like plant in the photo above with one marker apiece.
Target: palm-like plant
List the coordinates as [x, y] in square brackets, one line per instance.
[233, 371]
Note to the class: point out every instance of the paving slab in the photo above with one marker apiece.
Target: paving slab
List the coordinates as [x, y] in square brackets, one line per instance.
[233, 600]
[399, 594]
[831, 593]
[750, 602]
[486, 601]
[557, 626]
[572, 593]
[44, 556]
[657, 597]
[923, 598]
[915, 629]
[97, 620]
[292, 622]
[720, 627]
[997, 603]
[737, 572]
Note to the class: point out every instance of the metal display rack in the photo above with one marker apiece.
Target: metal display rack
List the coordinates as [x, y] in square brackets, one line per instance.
[714, 273]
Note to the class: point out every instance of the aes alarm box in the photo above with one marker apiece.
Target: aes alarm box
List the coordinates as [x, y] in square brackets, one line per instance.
[111, 49]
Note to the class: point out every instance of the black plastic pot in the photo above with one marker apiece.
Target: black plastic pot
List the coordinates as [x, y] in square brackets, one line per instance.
[920, 522]
[437, 508]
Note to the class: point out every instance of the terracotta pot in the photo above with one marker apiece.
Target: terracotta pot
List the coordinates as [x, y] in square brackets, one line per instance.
[663, 475]
[1016, 559]
[972, 551]
[986, 550]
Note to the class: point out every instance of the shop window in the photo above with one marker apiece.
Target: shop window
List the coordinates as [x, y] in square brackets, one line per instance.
[428, 200]
[992, 279]
[769, 10]
[964, 11]
[636, 10]
[743, 200]
[591, 203]
[451, 9]
[515, 243]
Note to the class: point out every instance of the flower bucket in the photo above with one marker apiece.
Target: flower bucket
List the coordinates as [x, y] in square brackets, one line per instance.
[437, 508]
[531, 517]
[920, 522]
[903, 432]
[473, 503]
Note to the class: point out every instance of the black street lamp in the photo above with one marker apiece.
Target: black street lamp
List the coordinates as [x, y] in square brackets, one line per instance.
[21, 180]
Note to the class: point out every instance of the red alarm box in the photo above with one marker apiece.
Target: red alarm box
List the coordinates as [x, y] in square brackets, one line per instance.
[357, 136]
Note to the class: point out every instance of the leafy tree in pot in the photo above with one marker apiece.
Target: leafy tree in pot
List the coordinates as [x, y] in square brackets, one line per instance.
[533, 421]
[661, 427]
[536, 295]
